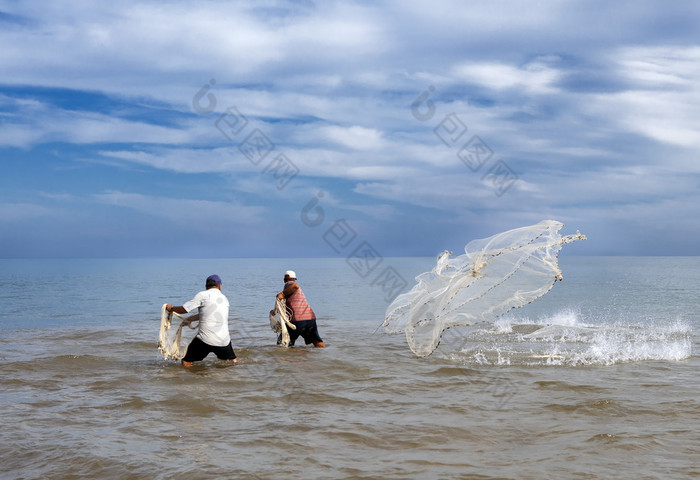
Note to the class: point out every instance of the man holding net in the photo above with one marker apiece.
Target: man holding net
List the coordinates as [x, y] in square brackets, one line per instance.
[302, 316]
[213, 335]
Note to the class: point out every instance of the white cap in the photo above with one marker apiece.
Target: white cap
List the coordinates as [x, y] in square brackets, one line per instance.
[290, 274]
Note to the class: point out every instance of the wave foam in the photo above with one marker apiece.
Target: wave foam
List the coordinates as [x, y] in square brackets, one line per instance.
[565, 339]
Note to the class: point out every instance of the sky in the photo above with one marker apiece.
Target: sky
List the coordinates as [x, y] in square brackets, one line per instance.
[319, 129]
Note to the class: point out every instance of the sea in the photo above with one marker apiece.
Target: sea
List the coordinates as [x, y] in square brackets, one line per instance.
[598, 379]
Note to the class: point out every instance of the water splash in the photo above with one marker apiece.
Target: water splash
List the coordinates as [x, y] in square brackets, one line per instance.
[564, 338]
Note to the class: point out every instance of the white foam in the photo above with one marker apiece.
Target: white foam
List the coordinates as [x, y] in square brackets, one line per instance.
[633, 343]
[565, 317]
[563, 338]
[503, 325]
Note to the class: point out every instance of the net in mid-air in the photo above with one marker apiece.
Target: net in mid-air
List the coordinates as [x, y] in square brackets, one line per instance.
[495, 275]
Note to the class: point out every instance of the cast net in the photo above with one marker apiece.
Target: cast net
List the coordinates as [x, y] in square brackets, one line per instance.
[495, 275]
[280, 321]
[169, 341]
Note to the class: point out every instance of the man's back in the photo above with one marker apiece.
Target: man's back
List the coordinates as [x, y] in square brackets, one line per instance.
[213, 316]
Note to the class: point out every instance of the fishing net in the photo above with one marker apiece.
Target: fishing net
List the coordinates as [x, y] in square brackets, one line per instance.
[280, 320]
[495, 275]
[169, 341]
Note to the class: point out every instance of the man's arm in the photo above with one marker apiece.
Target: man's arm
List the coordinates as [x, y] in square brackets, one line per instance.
[181, 310]
[288, 291]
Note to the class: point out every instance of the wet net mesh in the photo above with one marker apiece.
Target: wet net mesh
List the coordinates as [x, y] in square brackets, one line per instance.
[280, 321]
[169, 341]
[495, 275]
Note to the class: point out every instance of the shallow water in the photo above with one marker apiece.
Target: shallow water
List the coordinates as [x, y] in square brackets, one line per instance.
[598, 379]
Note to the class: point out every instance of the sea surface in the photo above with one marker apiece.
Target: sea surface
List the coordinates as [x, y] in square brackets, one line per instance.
[598, 379]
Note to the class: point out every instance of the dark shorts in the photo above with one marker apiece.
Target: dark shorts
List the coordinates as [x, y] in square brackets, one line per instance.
[197, 350]
[306, 329]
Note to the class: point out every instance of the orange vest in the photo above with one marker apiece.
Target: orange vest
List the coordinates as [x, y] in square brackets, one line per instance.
[301, 310]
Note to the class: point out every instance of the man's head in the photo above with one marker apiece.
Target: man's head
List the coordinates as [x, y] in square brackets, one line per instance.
[289, 275]
[213, 281]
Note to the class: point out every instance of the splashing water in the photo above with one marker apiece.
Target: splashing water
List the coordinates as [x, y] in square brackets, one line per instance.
[565, 339]
[495, 275]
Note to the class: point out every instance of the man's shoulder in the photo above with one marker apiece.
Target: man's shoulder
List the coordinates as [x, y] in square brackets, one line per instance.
[206, 293]
[215, 293]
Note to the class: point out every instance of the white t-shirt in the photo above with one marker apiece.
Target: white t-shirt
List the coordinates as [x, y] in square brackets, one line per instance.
[213, 316]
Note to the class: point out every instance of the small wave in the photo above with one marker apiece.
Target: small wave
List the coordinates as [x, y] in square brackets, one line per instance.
[621, 344]
[564, 338]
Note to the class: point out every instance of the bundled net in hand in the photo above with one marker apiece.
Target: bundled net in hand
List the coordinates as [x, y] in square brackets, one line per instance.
[169, 342]
[280, 321]
[494, 275]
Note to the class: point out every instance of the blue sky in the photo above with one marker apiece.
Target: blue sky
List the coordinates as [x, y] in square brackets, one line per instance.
[282, 128]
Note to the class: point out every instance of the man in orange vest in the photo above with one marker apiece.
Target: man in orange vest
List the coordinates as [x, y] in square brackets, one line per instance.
[303, 317]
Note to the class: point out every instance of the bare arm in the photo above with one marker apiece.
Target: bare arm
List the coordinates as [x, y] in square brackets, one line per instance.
[288, 291]
[181, 310]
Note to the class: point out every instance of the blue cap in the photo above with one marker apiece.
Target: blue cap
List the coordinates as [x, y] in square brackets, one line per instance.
[213, 280]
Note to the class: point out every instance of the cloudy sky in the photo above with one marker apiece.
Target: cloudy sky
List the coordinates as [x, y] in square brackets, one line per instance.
[298, 128]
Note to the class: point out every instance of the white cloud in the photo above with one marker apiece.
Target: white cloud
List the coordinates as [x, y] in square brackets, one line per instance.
[667, 117]
[36, 122]
[661, 67]
[535, 77]
[138, 47]
[355, 137]
[662, 101]
[184, 160]
[605, 114]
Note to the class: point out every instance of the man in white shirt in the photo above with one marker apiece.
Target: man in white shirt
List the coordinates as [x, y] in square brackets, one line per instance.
[213, 335]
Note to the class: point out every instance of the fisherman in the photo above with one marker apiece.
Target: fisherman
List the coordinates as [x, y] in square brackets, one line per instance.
[213, 335]
[303, 316]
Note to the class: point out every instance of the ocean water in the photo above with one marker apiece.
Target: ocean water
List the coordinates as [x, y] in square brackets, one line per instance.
[596, 380]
